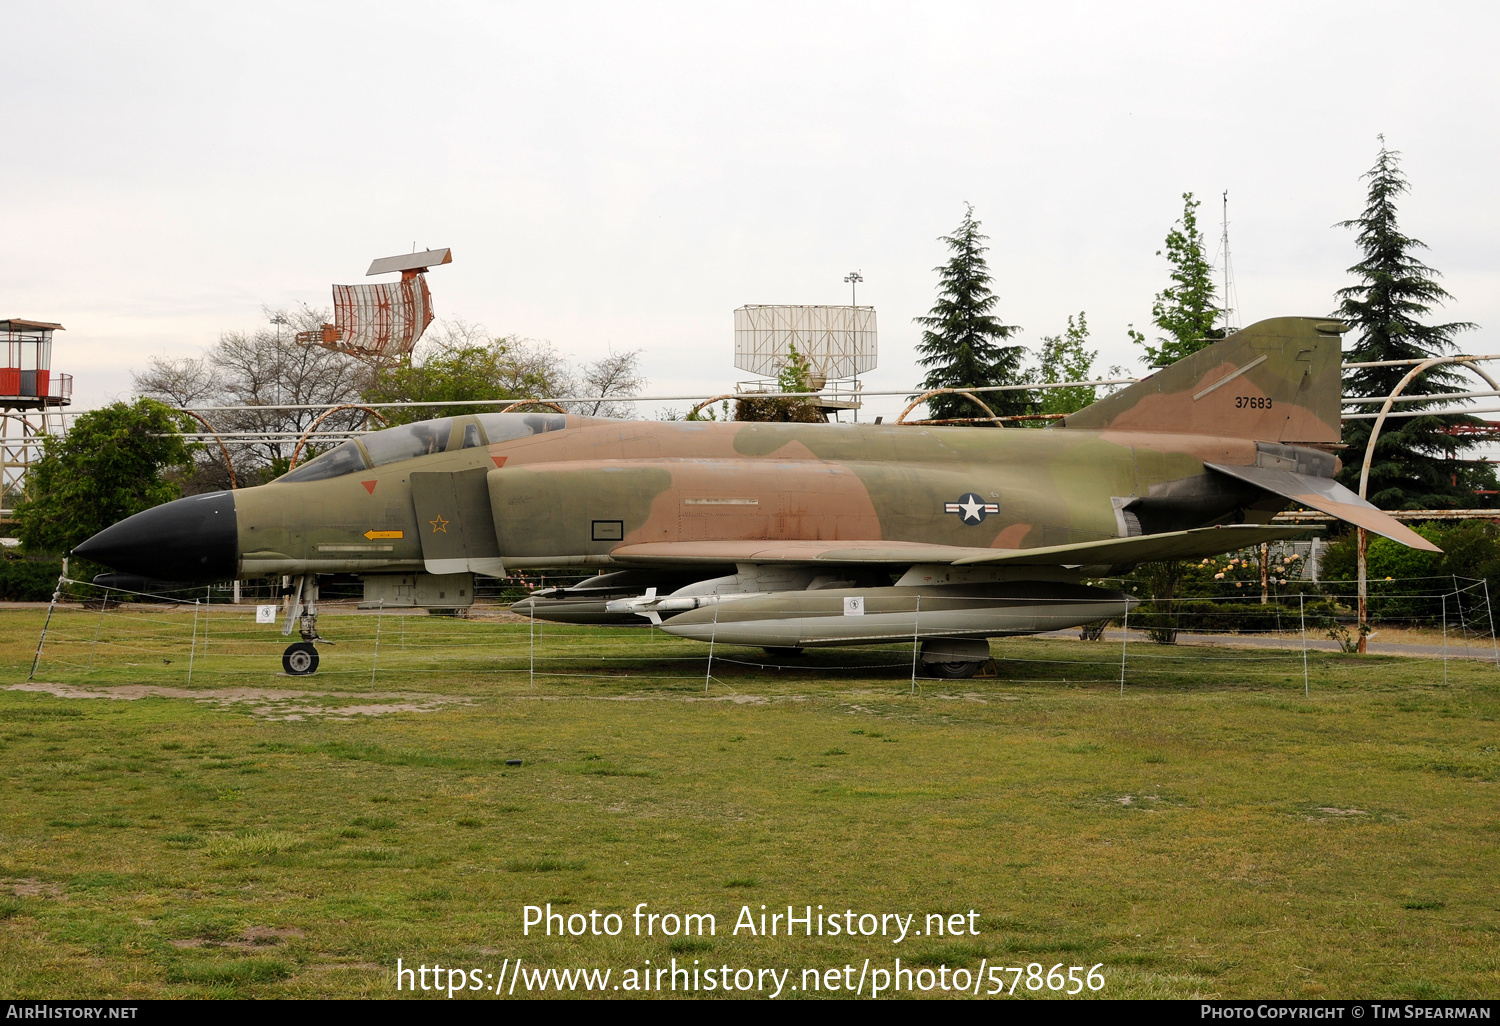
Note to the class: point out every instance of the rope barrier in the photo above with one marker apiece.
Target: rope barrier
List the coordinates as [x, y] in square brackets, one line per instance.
[141, 633]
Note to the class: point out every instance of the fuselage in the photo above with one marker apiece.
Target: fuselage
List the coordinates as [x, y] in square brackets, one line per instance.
[552, 490]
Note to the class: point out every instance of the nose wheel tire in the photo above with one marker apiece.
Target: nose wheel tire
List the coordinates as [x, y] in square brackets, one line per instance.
[300, 660]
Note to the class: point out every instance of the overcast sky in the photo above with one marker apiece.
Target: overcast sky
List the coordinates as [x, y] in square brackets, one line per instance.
[624, 175]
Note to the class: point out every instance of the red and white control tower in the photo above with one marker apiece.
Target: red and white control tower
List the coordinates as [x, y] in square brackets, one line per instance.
[31, 400]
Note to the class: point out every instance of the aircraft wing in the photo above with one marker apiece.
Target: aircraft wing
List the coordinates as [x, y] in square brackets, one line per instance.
[1194, 544]
[805, 552]
[1328, 496]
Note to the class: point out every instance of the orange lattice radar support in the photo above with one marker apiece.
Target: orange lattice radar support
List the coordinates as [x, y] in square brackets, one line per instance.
[382, 322]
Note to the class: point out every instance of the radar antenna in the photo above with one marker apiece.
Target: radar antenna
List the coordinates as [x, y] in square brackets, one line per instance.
[382, 323]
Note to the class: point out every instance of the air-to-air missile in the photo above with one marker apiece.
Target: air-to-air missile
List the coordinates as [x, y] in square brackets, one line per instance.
[794, 535]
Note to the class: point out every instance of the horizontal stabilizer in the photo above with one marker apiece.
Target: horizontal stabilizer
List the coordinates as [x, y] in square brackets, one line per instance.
[1328, 496]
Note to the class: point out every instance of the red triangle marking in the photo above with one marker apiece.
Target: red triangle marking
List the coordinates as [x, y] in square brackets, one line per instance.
[369, 486]
[499, 460]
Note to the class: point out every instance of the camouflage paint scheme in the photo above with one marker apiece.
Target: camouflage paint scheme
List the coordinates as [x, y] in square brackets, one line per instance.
[1189, 462]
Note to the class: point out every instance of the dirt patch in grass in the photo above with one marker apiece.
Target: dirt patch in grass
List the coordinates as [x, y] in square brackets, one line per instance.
[265, 703]
[254, 938]
[30, 887]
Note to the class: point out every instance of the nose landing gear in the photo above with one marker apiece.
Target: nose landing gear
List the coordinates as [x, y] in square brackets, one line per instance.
[301, 659]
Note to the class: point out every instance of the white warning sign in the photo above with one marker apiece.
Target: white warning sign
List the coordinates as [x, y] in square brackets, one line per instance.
[854, 605]
[265, 614]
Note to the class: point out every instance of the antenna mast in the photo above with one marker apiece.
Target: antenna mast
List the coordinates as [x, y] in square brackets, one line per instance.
[1230, 298]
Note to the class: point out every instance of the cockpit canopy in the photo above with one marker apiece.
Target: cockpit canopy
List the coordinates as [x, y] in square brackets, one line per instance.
[424, 438]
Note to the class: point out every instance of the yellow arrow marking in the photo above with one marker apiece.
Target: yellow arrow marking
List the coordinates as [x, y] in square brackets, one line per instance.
[372, 535]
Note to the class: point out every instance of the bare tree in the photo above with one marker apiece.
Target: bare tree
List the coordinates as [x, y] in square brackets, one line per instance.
[189, 381]
[268, 368]
[531, 367]
[452, 333]
[611, 377]
[261, 370]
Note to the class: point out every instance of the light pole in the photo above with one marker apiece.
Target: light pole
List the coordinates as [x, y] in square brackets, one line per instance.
[854, 278]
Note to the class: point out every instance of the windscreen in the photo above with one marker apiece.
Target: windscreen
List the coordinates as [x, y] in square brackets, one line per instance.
[408, 441]
[341, 459]
[502, 427]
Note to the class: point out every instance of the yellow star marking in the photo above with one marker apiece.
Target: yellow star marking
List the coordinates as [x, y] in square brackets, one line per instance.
[439, 524]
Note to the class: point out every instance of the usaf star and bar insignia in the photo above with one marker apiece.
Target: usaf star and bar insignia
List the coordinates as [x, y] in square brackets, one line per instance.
[971, 508]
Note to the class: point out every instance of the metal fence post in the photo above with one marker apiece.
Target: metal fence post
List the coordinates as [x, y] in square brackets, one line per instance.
[98, 627]
[916, 620]
[1124, 641]
[375, 662]
[1445, 640]
[1490, 614]
[193, 650]
[713, 635]
[36, 659]
[1463, 624]
[1302, 611]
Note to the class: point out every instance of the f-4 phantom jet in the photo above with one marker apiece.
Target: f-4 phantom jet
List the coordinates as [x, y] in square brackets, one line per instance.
[787, 536]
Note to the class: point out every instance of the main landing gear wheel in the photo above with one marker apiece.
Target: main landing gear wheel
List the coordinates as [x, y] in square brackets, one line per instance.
[953, 671]
[300, 660]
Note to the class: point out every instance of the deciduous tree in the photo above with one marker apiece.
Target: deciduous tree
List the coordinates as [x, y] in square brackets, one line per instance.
[1184, 311]
[1065, 357]
[110, 465]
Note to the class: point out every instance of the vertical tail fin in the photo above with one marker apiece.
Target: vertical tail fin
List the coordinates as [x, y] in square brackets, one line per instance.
[1277, 380]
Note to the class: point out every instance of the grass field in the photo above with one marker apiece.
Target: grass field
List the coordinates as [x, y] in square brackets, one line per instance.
[1210, 832]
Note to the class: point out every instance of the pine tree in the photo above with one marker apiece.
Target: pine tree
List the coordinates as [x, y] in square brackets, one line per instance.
[1414, 465]
[1184, 310]
[961, 346]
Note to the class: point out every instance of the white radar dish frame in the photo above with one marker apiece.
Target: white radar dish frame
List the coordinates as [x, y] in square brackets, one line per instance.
[837, 341]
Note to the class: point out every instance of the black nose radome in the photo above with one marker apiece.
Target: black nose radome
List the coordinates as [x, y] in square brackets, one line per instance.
[192, 539]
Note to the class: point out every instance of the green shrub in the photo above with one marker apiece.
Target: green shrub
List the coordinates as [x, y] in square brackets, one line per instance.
[1234, 617]
[1405, 584]
[26, 579]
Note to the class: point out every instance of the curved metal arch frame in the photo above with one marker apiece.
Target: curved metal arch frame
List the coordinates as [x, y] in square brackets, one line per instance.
[1363, 541]
[990, 414]
[533, 402]
[693, 413]
[302, 441]
[224, 449]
